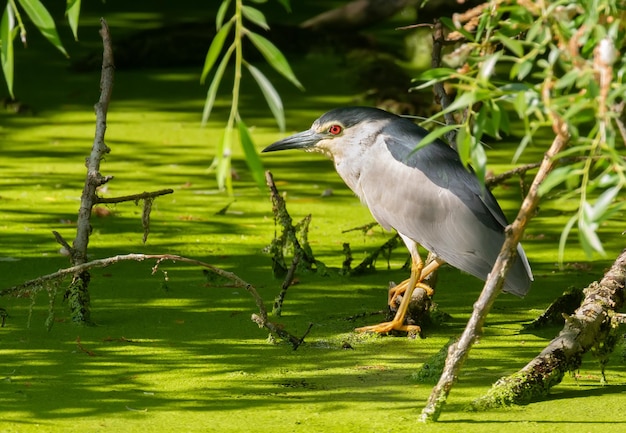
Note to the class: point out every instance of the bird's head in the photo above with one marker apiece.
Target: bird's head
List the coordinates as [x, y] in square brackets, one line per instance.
[339, 132]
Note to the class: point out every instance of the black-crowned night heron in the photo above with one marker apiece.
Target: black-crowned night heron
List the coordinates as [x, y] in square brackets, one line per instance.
[427, 195]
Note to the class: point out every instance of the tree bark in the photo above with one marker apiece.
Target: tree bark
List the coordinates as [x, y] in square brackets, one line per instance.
[355, 15]
[360, 14]
[589, 328]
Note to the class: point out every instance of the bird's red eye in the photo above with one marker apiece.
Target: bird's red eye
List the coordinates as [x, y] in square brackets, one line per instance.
[335, 129]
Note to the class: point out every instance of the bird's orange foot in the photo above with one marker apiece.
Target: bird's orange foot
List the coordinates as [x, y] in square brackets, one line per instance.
[386, 327]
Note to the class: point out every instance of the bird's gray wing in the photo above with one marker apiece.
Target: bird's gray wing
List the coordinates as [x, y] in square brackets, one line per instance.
[442, 165]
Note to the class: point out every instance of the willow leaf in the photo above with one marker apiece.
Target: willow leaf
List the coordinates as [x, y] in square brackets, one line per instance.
[212, 92]
[256, 16]
[274, 57]
[72, 11]
[214, 50]
[42, 19]
[271, 96]
[8, 31]
[221, 13]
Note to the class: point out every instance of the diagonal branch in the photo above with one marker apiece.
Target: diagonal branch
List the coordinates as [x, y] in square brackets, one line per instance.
[459, 351]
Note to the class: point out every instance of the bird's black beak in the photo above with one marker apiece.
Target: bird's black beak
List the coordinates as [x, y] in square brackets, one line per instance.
[301, 140]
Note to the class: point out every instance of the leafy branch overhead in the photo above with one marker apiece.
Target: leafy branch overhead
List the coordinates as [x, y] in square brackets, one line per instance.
[239, 30]
[12, 23]
[544, 62]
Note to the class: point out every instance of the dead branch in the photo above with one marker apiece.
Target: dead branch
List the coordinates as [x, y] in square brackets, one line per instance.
[459, 351]
[77, 293]
[287, 282]
[99, 149]
[494, 180]
[62, 241]
[355, 15]
[561, 307]
[587, 329]
[81, 348]
[441, 96]
[367, 264]
[364, 228]
[42, 283]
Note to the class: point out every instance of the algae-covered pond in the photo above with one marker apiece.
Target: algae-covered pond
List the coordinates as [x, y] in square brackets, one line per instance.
[175, 351]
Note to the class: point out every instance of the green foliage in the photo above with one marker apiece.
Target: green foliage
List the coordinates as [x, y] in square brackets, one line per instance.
[12, 23]
[552, 63]
[273, 56]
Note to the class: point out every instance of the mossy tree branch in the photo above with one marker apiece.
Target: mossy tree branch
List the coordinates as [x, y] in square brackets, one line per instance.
[289, 235]
[587, 329]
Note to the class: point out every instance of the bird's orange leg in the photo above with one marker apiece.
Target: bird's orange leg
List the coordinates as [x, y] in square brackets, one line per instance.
[418, 273]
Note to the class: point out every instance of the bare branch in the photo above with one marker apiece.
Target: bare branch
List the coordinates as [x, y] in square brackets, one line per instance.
[278, 302]
[441, 96]
[41, 283]
[94, 179]
[134, 197]
[62, 241]
[492, 181]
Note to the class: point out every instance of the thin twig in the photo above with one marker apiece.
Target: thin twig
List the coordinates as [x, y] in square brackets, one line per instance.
[440, 92]
[82, 348]
[364, 228]
[62, 241]
[492, 181]
[134, 197]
